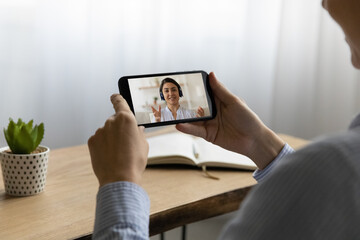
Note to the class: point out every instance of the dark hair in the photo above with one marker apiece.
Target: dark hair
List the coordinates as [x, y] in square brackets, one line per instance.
[169, 80]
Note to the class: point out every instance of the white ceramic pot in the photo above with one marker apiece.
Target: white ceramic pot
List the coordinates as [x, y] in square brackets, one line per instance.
[24, 174]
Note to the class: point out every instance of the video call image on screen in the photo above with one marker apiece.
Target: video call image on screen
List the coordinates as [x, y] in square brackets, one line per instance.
[154, 97]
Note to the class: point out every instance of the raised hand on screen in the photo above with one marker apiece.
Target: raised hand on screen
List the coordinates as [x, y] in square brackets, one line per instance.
[157, 113]
[200, 112]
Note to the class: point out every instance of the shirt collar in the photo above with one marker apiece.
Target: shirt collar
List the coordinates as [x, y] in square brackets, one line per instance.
[167, 109]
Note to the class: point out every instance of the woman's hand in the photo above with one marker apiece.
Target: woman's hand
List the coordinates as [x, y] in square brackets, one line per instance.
[200, 112]
[236, 128]
[119, 150]
[157, 114]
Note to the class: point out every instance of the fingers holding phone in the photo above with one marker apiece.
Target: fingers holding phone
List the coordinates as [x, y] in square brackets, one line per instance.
[119, 149]
[236, 127]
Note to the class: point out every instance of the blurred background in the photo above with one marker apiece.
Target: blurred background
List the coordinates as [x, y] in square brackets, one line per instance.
[60, 60]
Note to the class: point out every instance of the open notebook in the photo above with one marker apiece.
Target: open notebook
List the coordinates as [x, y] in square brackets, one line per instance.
[179, 148]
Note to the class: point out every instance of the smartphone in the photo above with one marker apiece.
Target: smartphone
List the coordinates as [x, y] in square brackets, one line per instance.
[168, 98]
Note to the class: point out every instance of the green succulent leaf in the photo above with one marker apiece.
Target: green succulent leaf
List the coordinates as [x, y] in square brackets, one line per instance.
[24, 143]
[40, 134]
[19, 122]
[22, 137]
[10, 133]
[29, 126]
[34, 133]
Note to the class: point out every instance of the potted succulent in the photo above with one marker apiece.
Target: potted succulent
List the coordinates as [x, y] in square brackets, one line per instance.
[24, 162]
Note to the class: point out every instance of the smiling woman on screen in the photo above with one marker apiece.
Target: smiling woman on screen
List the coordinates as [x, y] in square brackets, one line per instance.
[171, 92]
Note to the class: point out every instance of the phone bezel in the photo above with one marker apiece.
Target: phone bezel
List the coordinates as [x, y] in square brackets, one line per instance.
[124, 90]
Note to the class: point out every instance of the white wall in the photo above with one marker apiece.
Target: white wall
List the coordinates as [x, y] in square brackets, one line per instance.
[60, 60]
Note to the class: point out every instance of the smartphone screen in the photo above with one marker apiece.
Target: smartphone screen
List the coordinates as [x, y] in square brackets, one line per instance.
[169, 98]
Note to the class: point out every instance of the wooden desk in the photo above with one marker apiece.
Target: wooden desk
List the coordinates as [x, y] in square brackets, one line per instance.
[67, 207]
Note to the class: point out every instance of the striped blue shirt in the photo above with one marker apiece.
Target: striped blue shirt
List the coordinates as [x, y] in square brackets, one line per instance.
[310, 194]
[259, 175]
[122, 212]
[122, 209]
